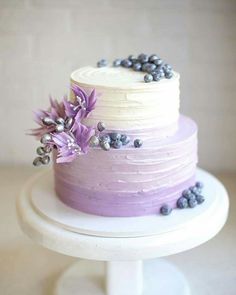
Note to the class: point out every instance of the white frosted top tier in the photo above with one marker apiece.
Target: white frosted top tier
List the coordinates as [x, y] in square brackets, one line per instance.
[125, 101]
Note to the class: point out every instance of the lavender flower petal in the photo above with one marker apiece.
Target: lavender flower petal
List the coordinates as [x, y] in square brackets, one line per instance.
[68, 149]
[91, 102]
[83, 104]
[56, 110]
[83, 135]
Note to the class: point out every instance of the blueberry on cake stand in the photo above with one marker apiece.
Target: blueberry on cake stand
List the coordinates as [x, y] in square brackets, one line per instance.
[116, 252]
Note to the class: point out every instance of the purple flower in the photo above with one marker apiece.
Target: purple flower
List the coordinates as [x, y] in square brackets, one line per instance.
[55, 110]
[83, 135]
[71, 145]
[74, 138]
[82, 105]
[68, 149]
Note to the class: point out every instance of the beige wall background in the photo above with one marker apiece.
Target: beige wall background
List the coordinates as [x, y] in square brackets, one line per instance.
[43, 41]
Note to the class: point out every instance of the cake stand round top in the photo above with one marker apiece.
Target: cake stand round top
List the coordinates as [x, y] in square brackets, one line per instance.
[62, 229]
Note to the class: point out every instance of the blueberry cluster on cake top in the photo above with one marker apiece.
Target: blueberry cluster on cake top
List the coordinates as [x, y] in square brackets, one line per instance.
[152, 65]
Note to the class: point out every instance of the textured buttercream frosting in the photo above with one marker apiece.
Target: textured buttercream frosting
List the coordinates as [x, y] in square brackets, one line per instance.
[128, 181]
[126, 102]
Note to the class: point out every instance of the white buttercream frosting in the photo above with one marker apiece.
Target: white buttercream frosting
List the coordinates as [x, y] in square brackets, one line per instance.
[125, 101]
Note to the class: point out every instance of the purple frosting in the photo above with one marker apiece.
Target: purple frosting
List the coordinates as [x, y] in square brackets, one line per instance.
[129, 181]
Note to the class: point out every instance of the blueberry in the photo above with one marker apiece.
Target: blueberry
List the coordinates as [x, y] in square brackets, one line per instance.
[165, 210]
[199, 184]
[153, 57]
[126, 63]
[37, 161]
[167, 67]
[150, 68]
[117, 62]
[156, 76]
[115, 136]
[102, 63]
[46, 138]
[101, 126]
[159, 68]
[124, 139]
[148, 78]
[182, 203]
[168, 75]
[47, 149]
[40, 151]
[94, 141]
[192, 203]
[200, 199]
[45, 160]
[105, 145]
[145, 66]
[166, 70]
[158, 62]
[191, 197]
[138, 143]
[137, 66]
[160, 71]
[105, 138]
[194, 190]
[132, 58]
[140, 56]
[143, 58]
[199, 191]
[117, 144]
[186, 193]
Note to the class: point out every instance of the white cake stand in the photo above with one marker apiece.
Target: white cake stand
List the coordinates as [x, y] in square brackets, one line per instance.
[123, 243]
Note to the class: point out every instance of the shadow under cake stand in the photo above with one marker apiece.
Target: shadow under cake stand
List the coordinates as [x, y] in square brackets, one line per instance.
[127, 245]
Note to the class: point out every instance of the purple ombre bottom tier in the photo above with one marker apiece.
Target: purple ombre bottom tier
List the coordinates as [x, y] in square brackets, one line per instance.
[131, 181]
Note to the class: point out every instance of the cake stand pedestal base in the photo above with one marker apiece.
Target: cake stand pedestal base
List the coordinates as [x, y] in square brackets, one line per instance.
[93, 278]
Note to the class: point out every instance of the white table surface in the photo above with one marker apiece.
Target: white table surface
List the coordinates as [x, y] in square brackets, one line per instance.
[27, 268]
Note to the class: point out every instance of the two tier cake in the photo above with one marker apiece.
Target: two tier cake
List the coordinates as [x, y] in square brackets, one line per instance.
[120, 146]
